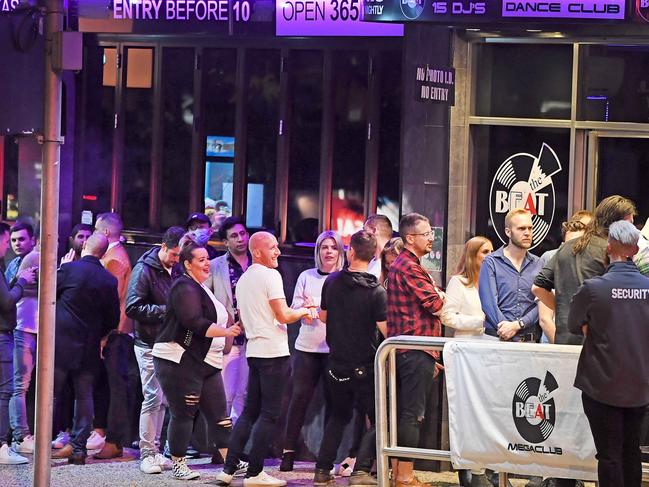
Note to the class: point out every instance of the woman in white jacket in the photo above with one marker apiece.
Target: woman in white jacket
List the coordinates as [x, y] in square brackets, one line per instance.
[462, 310]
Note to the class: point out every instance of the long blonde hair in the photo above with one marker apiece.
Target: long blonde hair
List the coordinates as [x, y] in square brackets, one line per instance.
[609, 210]
[468, 266]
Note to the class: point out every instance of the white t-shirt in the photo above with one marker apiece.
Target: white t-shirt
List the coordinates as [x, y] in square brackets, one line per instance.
[267, 337]
[374, 268]
[313, 336]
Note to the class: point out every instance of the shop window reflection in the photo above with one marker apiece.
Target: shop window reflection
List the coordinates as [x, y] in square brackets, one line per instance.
[262, 78]
[348, 176]
[178, 118]
[615, 84]
[524, 81]
[306, 126]
[138, 114]
[220, 73]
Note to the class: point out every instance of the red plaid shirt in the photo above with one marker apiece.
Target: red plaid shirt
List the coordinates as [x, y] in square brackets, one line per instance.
[412, 299]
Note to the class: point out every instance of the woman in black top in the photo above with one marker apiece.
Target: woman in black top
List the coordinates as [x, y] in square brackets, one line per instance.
[187, 357]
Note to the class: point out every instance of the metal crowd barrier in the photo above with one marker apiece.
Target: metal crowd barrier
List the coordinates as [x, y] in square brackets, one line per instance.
[385, 377]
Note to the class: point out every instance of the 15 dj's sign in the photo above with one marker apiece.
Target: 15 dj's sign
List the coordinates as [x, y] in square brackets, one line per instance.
[525, 181]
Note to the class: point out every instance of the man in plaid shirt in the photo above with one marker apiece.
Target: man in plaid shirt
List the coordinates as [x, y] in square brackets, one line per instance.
[413, 300]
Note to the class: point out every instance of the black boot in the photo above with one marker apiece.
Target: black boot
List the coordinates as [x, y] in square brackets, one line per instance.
[288, 457]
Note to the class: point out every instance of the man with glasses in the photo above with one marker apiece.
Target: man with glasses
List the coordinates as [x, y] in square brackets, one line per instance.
[413, 300]
[225, 272]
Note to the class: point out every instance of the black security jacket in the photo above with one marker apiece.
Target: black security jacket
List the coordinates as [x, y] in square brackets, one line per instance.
[614, 363]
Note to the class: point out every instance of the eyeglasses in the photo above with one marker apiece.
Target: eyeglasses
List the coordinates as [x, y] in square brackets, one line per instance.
[425, 234]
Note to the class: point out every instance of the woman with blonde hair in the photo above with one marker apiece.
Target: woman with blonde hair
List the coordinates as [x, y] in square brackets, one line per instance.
[389, 253]
[462, 310]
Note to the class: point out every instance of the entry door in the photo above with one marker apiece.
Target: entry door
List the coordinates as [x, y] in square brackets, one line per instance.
[619, 164]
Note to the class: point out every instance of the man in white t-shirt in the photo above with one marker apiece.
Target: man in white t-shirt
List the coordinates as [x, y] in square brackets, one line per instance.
[264, 314]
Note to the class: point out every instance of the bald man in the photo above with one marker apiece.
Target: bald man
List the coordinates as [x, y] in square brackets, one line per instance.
[87, 308]
[264, 314]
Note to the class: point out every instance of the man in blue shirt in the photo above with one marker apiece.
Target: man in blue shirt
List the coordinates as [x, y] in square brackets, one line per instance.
[505, 284]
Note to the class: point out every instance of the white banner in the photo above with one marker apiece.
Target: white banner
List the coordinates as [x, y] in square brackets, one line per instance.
[513, 408]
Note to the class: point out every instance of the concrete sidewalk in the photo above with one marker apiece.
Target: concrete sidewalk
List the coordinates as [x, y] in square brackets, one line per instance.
[125, 472]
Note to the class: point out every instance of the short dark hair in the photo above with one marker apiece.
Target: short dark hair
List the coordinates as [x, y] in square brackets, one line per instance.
[187, 247]
[23, 226]
[408, 222]
[4, 228]
[172, 236]
[364, 245]
[80, 226]
[196, 217]
[228, 223]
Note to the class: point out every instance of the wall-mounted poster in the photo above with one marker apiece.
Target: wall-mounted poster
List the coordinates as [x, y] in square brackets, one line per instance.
[433, 261]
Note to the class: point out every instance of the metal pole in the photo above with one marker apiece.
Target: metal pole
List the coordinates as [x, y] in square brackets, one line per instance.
[49, 247]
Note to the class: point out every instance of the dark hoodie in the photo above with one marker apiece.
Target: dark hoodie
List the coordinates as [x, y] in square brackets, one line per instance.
[146, 298]
[354, 302]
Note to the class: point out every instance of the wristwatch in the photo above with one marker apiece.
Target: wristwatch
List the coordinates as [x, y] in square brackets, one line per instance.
[521, 324]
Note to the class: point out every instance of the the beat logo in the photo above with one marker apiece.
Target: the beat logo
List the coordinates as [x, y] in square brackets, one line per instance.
[533, 408]
[525, 181]
[642, 8]
[412, 9]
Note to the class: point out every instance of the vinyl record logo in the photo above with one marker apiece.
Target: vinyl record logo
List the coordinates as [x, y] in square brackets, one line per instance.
[411, 9]
[642, 9]
[533, 408]
[525, 181]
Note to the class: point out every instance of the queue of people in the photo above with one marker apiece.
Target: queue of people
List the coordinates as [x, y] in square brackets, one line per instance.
[209, 333]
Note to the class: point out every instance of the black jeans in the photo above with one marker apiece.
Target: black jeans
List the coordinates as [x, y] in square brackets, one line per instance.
[345, 396]
[266, 380]
[415, 372]
[122, 376]
[193, 378]
[83, 380]
[307, 370]
[616, 432]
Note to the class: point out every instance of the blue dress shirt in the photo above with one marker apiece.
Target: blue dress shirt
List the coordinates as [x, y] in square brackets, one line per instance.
[506, 293]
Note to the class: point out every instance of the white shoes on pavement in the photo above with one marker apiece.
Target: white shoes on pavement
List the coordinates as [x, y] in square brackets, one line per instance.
[181, 471]
[263, 479]
[10, 457]
[24, 446]
[95, 441]
[149, 465]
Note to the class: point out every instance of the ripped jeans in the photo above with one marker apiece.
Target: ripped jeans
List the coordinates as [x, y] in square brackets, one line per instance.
[189, 386]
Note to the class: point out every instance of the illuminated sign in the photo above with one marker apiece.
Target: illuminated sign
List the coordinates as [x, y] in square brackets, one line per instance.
[490, 11]
[329, 18]
[192, 10]
[9, 5]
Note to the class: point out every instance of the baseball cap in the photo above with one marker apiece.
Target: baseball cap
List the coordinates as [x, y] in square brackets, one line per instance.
[201, 217]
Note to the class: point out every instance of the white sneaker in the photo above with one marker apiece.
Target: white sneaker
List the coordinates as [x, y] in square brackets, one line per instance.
[181, 471]
[25, 446]
[162, 461]
[61, 440]
[263, 479]
[223, 478]
[242, 469]
[95, 441]
[10, 457]
[149, 465]
[346, 467]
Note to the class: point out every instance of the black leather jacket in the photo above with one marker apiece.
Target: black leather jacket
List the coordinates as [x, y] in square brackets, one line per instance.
[146, 298]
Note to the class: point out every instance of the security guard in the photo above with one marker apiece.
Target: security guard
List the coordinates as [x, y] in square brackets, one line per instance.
[612, 311]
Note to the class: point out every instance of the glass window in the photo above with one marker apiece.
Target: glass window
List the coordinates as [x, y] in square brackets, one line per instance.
[350, 134]
[220, 67]
[306, 127]
[623, 167]
[615, 84]
[97, 129]
[522, 167]
[526, 81]
[138, 129]
[390, 137]
[22, 166]
[178, 119]
[262, 78]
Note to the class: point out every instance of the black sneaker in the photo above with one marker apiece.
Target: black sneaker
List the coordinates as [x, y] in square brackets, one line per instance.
[323, 477]
[288, 457]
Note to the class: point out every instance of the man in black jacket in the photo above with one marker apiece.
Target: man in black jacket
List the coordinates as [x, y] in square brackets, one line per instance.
[146, 304]
[8, 299]
[87, 309]
[613, 371]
